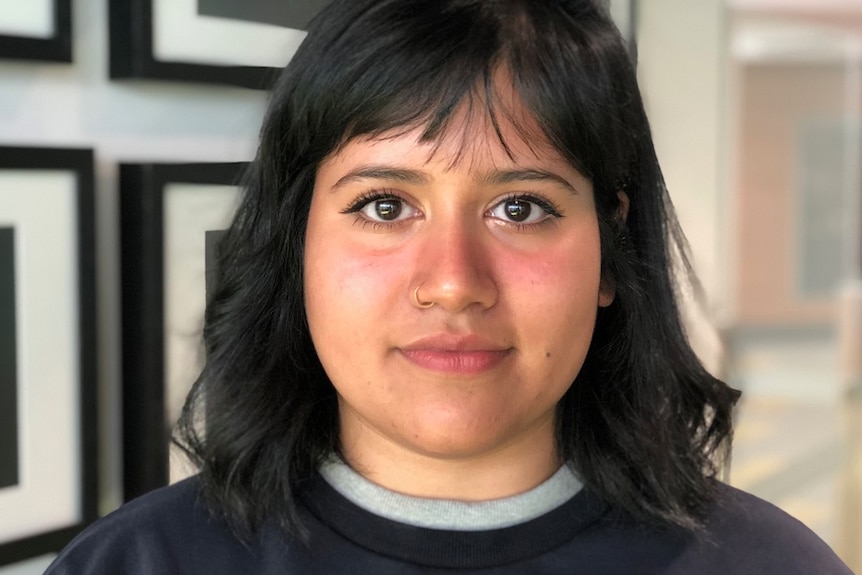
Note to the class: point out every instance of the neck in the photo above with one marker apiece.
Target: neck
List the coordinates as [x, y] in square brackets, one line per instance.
[510, 469]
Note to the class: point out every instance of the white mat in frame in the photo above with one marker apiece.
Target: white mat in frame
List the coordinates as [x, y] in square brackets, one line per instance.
[46, 201]
[180, 34]
[185, 287]
[30, 18]
[47, 353]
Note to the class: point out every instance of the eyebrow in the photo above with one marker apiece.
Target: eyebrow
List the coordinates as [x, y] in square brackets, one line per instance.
[407, 176]
[510, 176]
[403, 176]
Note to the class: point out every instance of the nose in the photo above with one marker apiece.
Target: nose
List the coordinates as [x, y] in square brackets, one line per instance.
[455, 268]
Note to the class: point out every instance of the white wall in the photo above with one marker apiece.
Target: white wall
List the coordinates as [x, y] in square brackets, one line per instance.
[681, 65]
[76, 105]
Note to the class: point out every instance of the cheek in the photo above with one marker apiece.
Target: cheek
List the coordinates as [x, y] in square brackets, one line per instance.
[338, 276]
[566, 272]
[336, 264]
[347, 294]
[554, 294]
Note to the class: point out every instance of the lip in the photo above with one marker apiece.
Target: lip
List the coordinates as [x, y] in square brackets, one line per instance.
[468, 354]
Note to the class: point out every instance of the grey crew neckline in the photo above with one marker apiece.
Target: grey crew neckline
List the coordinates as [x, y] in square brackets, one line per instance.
[447, 514]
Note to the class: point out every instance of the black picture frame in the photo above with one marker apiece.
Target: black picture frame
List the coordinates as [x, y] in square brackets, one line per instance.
[34, 206]
[57, 48]
[145, 216]
[133, 54]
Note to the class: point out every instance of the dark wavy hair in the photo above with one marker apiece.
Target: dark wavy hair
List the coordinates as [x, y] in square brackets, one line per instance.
[644, 424]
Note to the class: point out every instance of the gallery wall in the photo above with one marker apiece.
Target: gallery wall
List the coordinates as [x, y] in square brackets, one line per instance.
[77, 105]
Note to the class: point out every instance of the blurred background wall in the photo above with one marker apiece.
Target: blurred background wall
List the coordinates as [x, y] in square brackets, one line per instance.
[755, 107]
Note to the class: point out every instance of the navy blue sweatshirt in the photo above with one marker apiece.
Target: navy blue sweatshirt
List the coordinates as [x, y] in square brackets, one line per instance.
[170, 531]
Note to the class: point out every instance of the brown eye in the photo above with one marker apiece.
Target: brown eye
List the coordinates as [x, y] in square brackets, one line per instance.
[388, 209]
[524, 210]
[518, 210]
[382, 208]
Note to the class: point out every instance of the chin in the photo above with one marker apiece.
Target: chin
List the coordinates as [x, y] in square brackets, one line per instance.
[443, 450]
[454, 440]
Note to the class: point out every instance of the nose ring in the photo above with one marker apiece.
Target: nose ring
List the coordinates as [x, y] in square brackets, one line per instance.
[419, 303]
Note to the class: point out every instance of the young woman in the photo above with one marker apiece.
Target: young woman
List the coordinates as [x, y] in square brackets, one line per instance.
[445, 337]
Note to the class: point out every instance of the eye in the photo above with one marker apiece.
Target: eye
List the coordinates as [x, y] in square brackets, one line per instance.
[382, 208]
[386, 210]
[523, 210]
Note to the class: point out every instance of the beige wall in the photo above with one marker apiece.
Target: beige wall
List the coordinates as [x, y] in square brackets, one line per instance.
[775, 99]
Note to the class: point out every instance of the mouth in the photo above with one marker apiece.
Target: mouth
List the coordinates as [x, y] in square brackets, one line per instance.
[456, 355]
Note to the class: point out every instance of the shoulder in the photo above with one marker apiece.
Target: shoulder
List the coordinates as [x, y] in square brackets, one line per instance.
[745, 534]
[166, 531]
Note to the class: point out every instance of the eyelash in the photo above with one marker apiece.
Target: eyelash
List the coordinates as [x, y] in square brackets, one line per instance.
[370, 196]
[543, 203]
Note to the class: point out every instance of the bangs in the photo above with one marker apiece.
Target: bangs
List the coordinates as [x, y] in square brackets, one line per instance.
[399, 83]
[391, 70]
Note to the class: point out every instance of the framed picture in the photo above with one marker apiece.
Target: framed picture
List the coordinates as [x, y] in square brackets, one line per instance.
[168, 213]
[48, 436]
[235, 42]
[36, 30]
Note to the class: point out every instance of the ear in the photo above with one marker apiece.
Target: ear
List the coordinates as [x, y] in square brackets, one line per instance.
[608, 292]
[623, 207]
[606, 295]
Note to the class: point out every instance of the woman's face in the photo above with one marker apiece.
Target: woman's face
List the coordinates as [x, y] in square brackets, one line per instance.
[451, 290]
